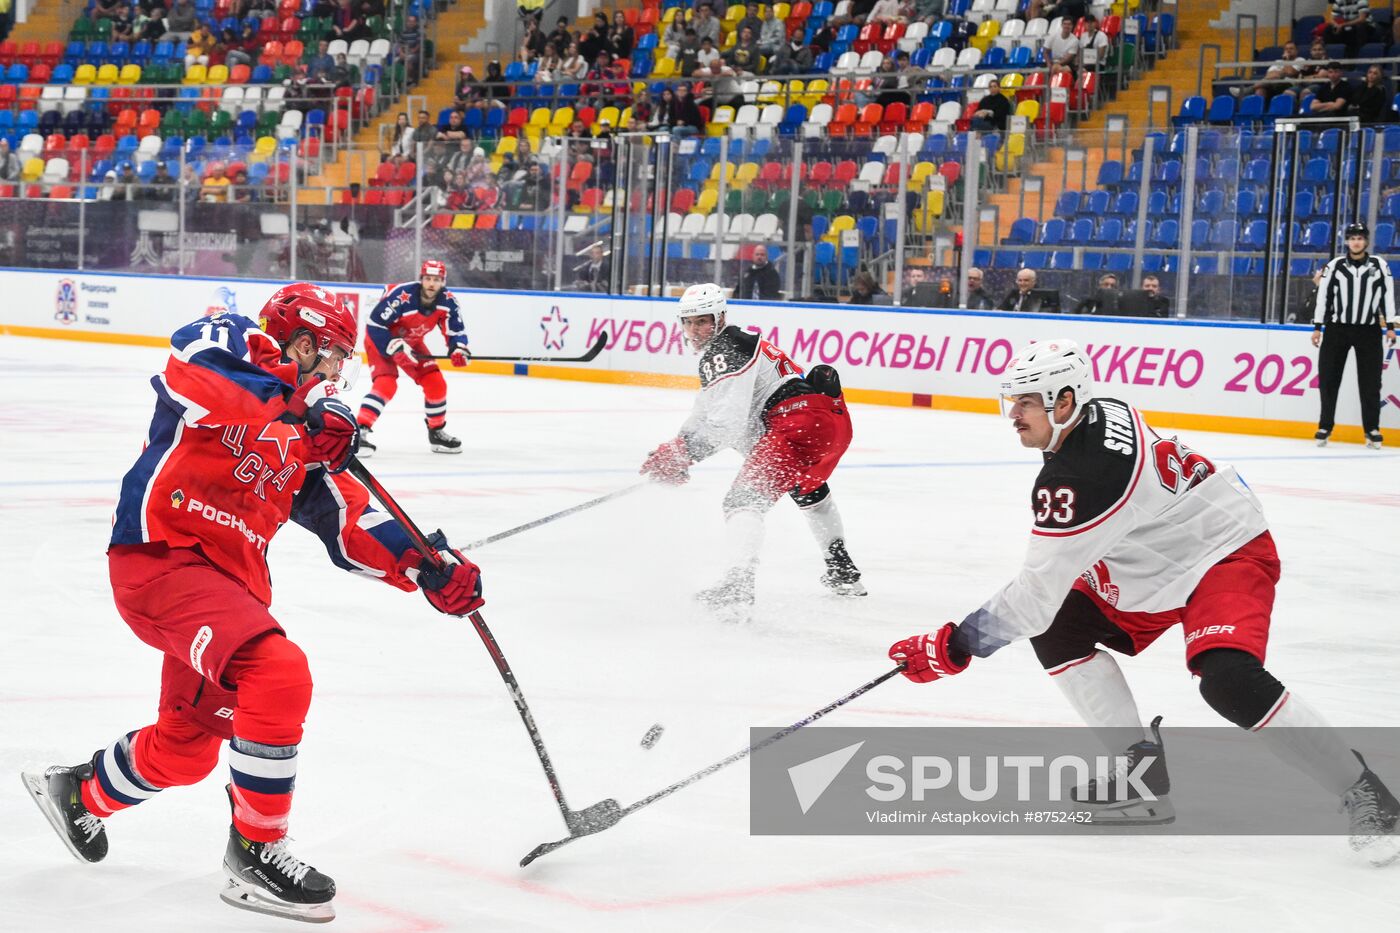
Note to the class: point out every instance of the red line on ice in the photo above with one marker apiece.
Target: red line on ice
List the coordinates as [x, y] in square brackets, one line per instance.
[679, 900]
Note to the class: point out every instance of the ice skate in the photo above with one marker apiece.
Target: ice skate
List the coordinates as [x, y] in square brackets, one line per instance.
[1374, 439]
[841, 576]
[443, 443]
[1321, 436]
[732, 597]
[367, 445]
[1373, 812]
[1119, 803]
[56, 792]
[266, 878]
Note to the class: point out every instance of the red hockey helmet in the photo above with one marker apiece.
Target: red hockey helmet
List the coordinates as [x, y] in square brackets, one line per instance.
[433, 267]
[304, 306]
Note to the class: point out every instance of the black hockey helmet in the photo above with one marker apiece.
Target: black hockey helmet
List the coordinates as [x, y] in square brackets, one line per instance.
[1357, 228]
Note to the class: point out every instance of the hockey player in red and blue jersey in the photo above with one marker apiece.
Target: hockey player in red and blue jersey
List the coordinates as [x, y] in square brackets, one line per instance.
[394, 341]
[1134, 534]
[248, 431]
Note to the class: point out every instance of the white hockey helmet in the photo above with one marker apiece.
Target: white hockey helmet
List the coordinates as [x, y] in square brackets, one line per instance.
[1047, 369]
[704, 298]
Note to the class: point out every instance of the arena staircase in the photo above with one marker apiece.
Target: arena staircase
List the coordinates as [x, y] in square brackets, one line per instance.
[456, 26]
[1178, 69]
[49, 22]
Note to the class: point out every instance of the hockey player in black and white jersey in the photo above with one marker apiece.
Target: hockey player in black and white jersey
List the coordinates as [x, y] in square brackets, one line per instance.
[791, 428]
[1134, 533]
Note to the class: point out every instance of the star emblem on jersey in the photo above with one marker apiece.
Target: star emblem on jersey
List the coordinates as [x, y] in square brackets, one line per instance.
[281, 434]
[555, 326]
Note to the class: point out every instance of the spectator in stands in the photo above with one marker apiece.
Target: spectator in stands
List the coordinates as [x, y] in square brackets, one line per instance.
[245, 49]
[497, 91]
[215, 187]
[663, 115]
[886, 87]
[182, 20]
[674, 35]
[152, 28]
[347, 23]
[977, 297]
[1071, 10]
[622, 37]
[107, 9]
[461, 159]
[1289, 65]
[1094, 39]
[885, 12]
[1096, 302]
[189, 181]
[687, 57]
[1063, 47]
[641, 107]
[1332, 96]
[596, 41]
[706, 56]
[744, 57]
[929, 11]
[10, 167]
[162, 184]
[595, 274]
[534, 189]
[533, 43]
[402, 143]
[1350, 25]
[410, 45]
[794, 57]
[690, 122]
[919, 292]
[772, 36]
[342, 75]
[424, 132]
[122, 24]
[1317, 60]
[1371, 101]
[574, 67]
[454, 193]
[453, 131]
[321, 63]
[1021, 298]
[548, 71]
[761, 281]
[724, 86]
[597, 87]
[992, 110]
[706, 25]
[1158, 304]
[864, 288]
[561, 36]
[479, 170]
[468, 88]
[239, 191]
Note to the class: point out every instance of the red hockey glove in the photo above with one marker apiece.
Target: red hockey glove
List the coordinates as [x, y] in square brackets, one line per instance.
[455, 588]
[332, 434]
[928, 657]
[669, 463]
[460, 355]
[401, 354]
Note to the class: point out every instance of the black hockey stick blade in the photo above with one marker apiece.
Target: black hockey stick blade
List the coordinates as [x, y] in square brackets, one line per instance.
[587, 357]
[610, 815]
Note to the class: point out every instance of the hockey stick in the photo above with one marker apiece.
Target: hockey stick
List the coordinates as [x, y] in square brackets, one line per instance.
[616, 494]
[579, 822]
[587, 357]
[610, 818]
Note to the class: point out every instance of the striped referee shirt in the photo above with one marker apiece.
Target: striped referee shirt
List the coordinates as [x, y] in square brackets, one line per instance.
[1355, 293]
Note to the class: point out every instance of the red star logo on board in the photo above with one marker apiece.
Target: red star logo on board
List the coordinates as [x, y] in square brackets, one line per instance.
[555, 326]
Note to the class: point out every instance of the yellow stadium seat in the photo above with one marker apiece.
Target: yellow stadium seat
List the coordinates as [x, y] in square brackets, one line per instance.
[463, 221]
[265, 146]
[730, 40]
[704, 204]
[496, 161]
[624, 118]
[734, 13]
[1030, 109]
[194, 74]
[782, 11]
[534, 134]
[107, 74]
[217, 74]
[667, 15]
[727, 167]
[1010, 82]
[33, 168]
[560, 121]
[540, 117]
[929, 211]
[720, 121]
[838, 224]
[746, 174]
[986, 32]
[664, 67]
[816, 90]
[1009, 156]
[507, 145]
[921, 173]
[130, 74]
[86, 74]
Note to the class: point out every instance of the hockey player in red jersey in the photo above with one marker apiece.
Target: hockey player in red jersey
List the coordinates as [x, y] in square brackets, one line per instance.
[792, 430]
[1135, 533]
[248, 431]
[394, 341]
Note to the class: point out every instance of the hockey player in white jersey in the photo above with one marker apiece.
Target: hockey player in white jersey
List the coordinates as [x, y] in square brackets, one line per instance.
[1134, 533]
[791, 428]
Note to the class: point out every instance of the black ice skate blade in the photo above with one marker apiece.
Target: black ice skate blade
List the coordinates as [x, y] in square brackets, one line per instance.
[1158, 812]
[846, 590]
[247, 897]
[38, 787]
[1378, 851]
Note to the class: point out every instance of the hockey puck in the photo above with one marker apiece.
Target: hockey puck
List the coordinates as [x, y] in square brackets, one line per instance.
[652, 737]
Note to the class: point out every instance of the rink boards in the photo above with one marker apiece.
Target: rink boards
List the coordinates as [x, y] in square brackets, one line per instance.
[1205, 375]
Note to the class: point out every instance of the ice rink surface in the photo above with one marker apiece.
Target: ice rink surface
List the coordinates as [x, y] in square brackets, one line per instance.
[418, 790]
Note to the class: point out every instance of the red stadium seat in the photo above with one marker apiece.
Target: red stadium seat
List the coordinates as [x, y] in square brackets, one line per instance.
[442, 221]
[921, 117]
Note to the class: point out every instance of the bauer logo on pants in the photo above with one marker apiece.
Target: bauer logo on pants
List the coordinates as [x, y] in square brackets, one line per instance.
[1042, 781]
